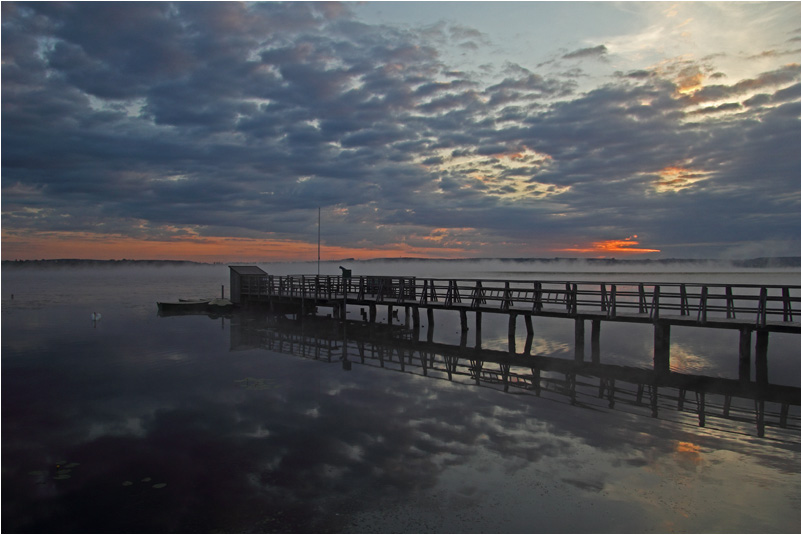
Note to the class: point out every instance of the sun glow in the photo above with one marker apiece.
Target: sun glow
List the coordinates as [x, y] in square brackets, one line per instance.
[676, 178]
[625, 246]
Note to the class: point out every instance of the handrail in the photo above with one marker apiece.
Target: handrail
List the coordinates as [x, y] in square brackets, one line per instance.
[757, 303]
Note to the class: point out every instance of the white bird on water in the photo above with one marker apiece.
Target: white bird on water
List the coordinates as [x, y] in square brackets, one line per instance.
[95, 316]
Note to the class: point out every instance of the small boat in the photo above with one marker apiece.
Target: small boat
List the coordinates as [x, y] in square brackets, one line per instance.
[195, 306]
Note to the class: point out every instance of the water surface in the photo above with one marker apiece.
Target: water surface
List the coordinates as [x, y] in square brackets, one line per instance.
[140, 423]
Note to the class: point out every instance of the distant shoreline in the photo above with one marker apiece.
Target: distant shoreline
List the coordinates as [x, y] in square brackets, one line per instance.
[760, 262]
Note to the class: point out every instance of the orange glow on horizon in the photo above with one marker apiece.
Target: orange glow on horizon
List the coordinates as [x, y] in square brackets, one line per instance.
[82, 245]
[625, 246]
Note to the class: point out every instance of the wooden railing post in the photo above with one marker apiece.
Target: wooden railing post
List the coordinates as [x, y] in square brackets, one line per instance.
[730, 303]
[761, 308]
[506, 302]
[538, 305]
[574, 304]
[641, 299]
[604, 297]
[611, 311]
[684, 310]
[478, 297]
[655, 312]
[701, 317]
[787, 310]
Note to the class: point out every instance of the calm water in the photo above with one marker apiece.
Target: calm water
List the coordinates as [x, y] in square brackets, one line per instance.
[140, 423]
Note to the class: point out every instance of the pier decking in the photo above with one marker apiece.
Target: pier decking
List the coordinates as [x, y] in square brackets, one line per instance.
[762, 309]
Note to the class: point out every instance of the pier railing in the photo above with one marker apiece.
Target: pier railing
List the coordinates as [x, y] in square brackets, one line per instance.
[759, 305]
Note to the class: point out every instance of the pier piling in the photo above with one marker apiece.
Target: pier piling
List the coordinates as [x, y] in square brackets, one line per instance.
[662, 347]
[579, 339]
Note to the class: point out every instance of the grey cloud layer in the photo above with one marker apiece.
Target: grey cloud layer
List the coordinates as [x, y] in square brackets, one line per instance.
[241, 120]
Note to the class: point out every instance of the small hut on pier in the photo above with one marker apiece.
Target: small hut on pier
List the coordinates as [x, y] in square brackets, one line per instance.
[238, 275]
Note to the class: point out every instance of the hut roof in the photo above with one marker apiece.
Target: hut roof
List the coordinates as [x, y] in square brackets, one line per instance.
[247, 270]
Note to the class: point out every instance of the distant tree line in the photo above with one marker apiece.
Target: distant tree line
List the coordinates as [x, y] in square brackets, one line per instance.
[78, 262]
[762, 262]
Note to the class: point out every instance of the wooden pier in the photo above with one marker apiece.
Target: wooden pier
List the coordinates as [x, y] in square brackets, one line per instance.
[758, 309]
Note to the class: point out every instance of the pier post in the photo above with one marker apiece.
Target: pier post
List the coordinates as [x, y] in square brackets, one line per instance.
[372, 308]
[761, 358]
[745, 355]
[511, 332]
[530, 334]
[478, 329]
[579, 339]
[415, 318]
[528, 321]
[463, 321]
[662, 347]
[595, 335]
[429, 324]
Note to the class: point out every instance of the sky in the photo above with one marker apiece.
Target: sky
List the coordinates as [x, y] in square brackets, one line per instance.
[223, 131]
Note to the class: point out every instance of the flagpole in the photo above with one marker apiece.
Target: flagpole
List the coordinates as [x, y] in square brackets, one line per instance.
[318, 241]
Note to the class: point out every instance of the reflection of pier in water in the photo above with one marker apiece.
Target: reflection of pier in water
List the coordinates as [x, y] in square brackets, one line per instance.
[749, 309]
[731, 402]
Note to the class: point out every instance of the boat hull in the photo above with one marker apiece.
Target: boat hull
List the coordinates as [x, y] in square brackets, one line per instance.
[218, 306]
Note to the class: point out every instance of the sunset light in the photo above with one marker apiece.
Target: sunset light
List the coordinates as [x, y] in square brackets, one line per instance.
[673, 179]
[625, 246]
[60, 245]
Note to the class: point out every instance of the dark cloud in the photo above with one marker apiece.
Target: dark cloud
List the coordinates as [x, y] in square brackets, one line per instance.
[238, 119]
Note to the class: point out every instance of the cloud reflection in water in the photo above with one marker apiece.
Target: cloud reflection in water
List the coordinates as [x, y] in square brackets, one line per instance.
[312, 448]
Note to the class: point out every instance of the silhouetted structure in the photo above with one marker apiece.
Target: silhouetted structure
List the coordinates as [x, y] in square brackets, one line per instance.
[742, 307]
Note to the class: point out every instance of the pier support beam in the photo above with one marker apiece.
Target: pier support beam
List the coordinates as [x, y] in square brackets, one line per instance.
[745, 355]
[463, 321]
[372, 308]
[595, 335]
[511, 332]
[530, 334]
[579, 339]
[478, 330]
[662, 347]
[761, 358]
[429, 324]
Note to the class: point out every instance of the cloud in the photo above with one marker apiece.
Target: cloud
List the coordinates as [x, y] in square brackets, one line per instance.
[205, 116]
[597, 52]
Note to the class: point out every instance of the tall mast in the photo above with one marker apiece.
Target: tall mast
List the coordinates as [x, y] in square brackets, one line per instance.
[318, 240]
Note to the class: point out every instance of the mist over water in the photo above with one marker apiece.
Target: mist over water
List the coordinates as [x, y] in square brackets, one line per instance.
[718, 271]
[144, 423]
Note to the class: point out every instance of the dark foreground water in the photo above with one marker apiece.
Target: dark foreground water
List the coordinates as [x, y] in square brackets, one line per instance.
[140, 423]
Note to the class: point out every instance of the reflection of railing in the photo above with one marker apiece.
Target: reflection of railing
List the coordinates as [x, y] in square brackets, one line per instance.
[775, 307]
[396, 347]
